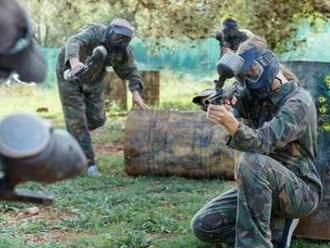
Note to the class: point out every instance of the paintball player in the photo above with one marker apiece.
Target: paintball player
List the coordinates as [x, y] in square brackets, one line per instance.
[83, 99]
[230, 37]
[30, 150]
[277, 180]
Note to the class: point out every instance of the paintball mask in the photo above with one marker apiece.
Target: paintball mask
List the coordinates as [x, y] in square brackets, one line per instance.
[119, 34]
[30, 150]
[255, 68]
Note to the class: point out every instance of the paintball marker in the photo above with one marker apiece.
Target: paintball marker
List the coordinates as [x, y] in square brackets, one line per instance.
[30, 150]
[211, 96]
[92, 64]
[228, 66]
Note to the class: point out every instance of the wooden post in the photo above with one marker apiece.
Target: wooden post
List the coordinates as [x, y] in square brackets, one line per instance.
[115, 91]
[151, 89]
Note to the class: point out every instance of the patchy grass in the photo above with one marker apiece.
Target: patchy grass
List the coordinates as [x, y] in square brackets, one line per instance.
[114, 210]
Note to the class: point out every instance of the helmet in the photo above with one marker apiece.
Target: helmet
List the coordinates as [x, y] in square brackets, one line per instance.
[119, 34]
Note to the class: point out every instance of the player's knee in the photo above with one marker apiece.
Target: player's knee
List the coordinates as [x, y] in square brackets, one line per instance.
[249, 164]
[207, 227]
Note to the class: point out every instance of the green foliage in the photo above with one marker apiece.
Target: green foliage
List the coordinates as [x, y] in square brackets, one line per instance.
[323, 107]
[277, 20]
[54, 21]
[327, 81]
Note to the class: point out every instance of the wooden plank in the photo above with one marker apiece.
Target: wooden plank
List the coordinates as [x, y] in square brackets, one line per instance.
[115, 91]
[151, 89]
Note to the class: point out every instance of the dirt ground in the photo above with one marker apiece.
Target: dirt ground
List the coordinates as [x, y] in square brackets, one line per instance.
[18, 218]
[113, 148]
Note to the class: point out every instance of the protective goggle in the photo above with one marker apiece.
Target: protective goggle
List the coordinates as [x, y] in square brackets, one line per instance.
[120, 37]
[252, 74]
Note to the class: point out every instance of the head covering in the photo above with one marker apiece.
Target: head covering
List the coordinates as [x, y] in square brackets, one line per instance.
[122, 26]
[18, 51]
[229, 23]
[269, 65]
[265, 67]
[119, 27]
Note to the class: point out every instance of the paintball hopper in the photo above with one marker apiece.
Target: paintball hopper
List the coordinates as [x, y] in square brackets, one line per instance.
[229, 65]
[30, 150]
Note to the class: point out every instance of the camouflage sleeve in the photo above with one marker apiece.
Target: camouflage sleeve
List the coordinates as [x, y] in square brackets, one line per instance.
[281, 130]
[86, 36]
[127, 70]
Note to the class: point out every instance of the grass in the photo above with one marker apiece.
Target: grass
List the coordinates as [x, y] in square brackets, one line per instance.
[114, 210]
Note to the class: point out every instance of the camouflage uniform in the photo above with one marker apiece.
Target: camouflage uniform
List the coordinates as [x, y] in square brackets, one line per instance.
[83, 102]
[276, 174]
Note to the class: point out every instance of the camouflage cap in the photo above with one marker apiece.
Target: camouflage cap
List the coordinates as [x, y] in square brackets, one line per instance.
[122, 26]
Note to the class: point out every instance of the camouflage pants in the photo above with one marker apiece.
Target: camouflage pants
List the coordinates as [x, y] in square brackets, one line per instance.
[254, 213]
[83, 107]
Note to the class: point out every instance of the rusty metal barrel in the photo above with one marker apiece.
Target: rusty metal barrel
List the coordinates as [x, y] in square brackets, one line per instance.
[315, 77]
[173, 143]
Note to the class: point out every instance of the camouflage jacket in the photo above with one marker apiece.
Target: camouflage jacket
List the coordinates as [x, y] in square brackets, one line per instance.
[81, 46]
[289, 135]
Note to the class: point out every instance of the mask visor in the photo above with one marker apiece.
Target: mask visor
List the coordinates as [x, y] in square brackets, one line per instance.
[252, 74]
